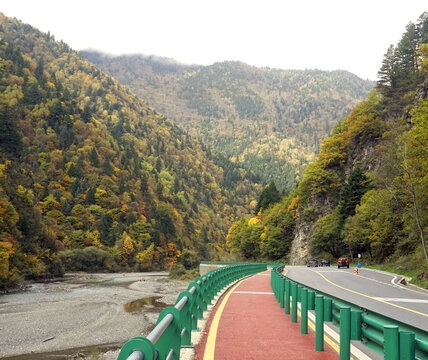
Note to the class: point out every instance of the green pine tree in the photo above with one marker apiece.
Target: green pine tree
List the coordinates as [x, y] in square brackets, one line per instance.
[357, 185]
[270, 195]
[93, 157]
[10, 139]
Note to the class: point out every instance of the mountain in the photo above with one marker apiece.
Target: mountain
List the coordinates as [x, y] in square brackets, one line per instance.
[269, 120]
[366, 192]
[92, 178]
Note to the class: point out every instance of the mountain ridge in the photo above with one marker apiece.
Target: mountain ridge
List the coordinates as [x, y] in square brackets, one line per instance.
[243, 111]
[93, 178]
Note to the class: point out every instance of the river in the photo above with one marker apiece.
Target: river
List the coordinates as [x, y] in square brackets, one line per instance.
[83, 316]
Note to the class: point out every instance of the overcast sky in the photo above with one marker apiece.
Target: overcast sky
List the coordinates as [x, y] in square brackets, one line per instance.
[350, 35]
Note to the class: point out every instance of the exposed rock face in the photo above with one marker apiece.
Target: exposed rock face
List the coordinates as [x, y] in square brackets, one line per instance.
[301, 247]
[301, 243]
[364, 156]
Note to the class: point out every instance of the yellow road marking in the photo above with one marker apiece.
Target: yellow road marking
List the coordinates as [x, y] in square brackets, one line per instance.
[370, 297]
[212, 335]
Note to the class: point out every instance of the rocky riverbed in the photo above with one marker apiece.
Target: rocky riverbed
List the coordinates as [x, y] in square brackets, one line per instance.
[84, 315]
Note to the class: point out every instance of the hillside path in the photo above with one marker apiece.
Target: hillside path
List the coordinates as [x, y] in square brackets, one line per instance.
[248, 323]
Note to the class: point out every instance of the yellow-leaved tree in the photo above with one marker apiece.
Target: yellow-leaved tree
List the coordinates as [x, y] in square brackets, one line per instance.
[128, 246]
[6, 249]
[145, 258]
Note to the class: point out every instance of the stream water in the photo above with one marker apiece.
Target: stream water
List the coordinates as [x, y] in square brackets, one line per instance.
[151, 303]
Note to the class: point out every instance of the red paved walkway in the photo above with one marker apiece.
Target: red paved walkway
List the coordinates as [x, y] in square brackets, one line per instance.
[253, 326]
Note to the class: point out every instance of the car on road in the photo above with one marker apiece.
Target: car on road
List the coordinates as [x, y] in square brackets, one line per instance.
[343, 262]
[312, 263]
[325, 262]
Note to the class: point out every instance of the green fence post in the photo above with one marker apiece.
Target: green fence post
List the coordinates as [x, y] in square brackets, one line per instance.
[407, 345]
[196, 308]
[304, 312]
[170, 338]
[319, 323]
[202, 296]
[212, 286]
[328, 303]
[355, 325]
[299, 290]
[271, 278]
[311, 300]
[281, 292]
[276, 286]
[206, 295]
[186, 317]
[345, 333]
[294, 303]
[391, 343]
[287, 296]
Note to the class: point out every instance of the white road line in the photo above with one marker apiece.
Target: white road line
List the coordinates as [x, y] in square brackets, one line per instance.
[368, 278]
[253, 292]
[422, 301]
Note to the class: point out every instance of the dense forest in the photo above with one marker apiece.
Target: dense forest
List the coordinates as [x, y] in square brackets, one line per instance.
[270, 121]
[367, 190]
[93, 178]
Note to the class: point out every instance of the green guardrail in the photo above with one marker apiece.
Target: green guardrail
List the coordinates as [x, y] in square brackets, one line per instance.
[175, 323]
[390, 338]
[205, 262]
[218, 263]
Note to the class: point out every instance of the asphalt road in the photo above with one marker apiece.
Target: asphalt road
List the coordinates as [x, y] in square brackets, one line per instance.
[370, 289]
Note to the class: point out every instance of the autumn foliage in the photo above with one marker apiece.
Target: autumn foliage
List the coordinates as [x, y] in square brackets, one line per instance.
[91, 177]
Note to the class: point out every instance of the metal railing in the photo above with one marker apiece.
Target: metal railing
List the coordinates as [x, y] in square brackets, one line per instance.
[388, 337]
[175, 323]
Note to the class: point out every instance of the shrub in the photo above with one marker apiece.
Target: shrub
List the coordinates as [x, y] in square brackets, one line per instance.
[189, 259]
[90, 259]
[177, 270]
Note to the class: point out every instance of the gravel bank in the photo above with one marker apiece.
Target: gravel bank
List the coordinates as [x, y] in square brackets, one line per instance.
[83, 311]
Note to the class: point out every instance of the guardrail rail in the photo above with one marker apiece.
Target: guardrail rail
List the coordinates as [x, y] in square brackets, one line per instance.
[390, 338]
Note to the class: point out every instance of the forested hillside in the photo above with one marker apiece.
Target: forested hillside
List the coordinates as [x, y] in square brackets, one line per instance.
[92, 178]
[367, 190]
[271, 121]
